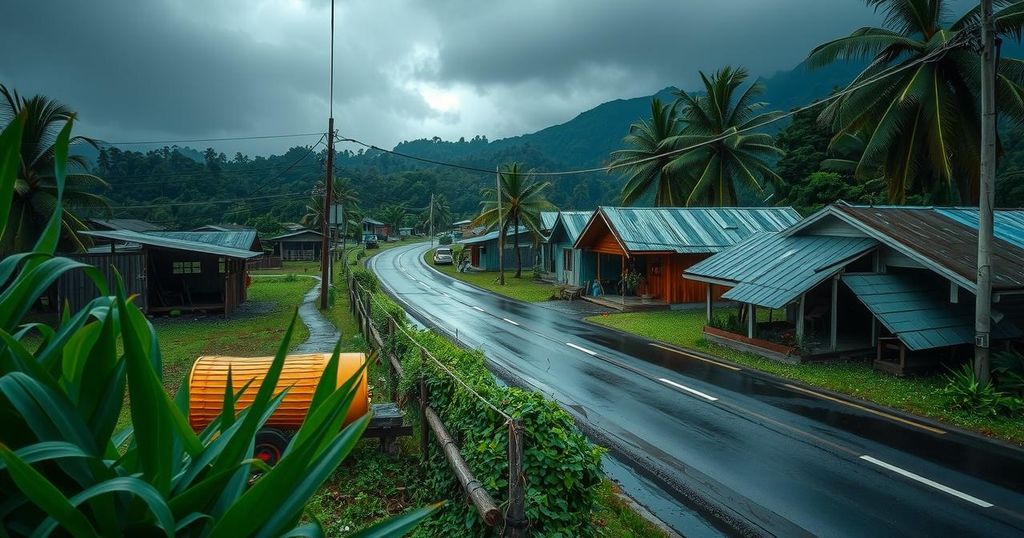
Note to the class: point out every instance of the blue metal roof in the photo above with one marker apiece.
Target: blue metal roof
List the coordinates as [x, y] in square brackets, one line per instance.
[242, 239]
[771, 269]
[547, 220]
[689, 230]
[919, 314]
[172, 243]
[1008, 224]
[492, 236]
[569, 225]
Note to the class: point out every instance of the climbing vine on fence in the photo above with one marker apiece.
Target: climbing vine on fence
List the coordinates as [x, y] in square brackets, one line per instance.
[562, 467]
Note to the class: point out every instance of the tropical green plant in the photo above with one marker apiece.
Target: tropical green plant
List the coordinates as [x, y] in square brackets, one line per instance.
[969, 394]
[65, 460]
[919, 119]
[642, 162]
[522, 201]
[394, 216]
[719, 154]
[441, 214]
[1008, 371]
[35, 189]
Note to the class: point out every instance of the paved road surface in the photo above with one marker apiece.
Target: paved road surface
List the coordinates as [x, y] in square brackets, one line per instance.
[772, 458]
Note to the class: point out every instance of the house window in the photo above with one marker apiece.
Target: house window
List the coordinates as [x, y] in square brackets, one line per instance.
[221, 266]
[186, 268]
[567, 259]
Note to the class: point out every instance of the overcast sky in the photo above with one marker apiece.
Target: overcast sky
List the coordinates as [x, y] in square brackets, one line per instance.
[173, 69]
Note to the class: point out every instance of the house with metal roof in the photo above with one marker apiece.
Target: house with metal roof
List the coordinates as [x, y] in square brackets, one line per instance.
[168, 271]
[299, 245]
[568, 264]
[483, 249]
[895, 282]
[640, 253]
[132, 225]
[376, 227]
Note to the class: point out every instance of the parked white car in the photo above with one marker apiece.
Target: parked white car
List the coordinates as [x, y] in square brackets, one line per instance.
[443, 256]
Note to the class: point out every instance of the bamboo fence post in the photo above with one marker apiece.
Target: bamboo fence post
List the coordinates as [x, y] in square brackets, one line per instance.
[515, 519]
[474, 489]
[424, 430]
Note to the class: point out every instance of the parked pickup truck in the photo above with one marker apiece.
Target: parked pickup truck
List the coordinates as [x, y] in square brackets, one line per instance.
[443, 256]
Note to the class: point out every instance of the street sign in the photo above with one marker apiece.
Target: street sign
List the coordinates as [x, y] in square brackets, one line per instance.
[336, 215]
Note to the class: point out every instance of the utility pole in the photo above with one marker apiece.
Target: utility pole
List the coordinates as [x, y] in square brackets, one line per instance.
[501, 231]
[325, 244]
[431, 218]
[986, 195]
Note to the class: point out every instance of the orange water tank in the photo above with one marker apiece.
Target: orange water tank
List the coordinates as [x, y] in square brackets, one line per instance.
[301, 373]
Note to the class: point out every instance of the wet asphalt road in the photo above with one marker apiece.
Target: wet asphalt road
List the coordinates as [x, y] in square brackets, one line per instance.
[770, 457]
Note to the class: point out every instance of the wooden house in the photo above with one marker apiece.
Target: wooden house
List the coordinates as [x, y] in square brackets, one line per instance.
[300, 245]
[569, 264]
[483, 250]
[461, 228]
[169, 271]
[658, 244]
[376, 227]
[897, 283]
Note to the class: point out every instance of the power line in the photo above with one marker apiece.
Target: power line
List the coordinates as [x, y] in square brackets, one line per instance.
[222, 139]
[955, 42]
[212, 202]
[186, 176]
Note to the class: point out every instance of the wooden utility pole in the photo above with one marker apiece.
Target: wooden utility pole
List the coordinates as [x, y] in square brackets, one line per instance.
[431, 219]
[325, 227]
[501, 231]
[986, 195]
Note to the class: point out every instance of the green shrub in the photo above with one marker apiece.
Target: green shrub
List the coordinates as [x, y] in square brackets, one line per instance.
[64, 463]
[562, 467]
[968, 394]
[728, 322]
[444, 240]
[1008, 371]
[367, 280]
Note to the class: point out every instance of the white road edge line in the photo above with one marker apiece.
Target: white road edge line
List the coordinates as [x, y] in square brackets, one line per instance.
[932, 483]
[478, 308]
[695, 392]
[583, 349]
[510, 321]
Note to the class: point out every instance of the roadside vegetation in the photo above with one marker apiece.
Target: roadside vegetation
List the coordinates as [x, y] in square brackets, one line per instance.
[924, 396]
[524, 288]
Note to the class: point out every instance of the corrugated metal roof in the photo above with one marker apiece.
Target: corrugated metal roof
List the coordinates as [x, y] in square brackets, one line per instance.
[368, 220]
[293, 234]
[693, 230]
[238, 239]
[771, 269]
[172, 243]
[948, 246]
[919, 314]
[222, 228]
[547, 220]
[493, 235]
[570, 225]
[134, 225]
[1008, 224]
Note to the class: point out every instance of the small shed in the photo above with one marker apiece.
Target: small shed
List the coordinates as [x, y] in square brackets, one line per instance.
[301, 245]
[656, 244]
[483, 249]
[169, 273]
[461, 228]
[376, 227]
[569, 264]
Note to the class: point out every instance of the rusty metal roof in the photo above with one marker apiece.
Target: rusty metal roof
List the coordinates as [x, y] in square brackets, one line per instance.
[174, 244]
[691, 230]
[933, 238]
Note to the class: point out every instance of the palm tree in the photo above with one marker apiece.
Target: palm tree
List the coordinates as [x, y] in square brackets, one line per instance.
[394, 215]
[522, 200]
[35, 189]
[920, 119]
[646, 140]
[441, 214]
[723, 154]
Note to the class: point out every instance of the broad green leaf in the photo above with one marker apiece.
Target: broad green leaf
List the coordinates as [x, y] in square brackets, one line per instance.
[48, 240]
[10, 160]
[227, 412]
[45, 495]
[328, 380]
[124, 484]
[399, 525]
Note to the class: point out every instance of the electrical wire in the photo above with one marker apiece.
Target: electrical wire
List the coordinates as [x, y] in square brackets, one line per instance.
[222, 139]
[953, 43]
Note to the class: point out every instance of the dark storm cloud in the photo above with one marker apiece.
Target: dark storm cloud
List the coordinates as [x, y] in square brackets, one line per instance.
[405, 69]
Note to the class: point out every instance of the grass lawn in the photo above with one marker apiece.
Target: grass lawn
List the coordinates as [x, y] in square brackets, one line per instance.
[524, 289]
[918, 395]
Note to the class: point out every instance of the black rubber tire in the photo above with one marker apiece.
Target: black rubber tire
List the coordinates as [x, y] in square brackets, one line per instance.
[270, 445]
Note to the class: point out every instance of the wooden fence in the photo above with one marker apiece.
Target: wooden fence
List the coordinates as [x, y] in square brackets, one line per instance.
[514, 520]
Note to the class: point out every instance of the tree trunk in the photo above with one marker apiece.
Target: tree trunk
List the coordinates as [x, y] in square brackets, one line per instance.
[519, 254]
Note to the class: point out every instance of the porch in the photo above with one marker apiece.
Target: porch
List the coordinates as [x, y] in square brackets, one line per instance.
[627, 303]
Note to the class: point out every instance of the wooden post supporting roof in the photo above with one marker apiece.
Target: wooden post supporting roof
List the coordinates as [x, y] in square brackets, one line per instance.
[834, 314]
[751, 314]
[800, 318]
[708, 306]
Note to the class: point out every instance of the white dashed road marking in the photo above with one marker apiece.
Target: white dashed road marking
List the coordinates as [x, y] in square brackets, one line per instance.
[695, 392]
[927, 482]
[478, 308]
[583, 349]
[510, 321]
